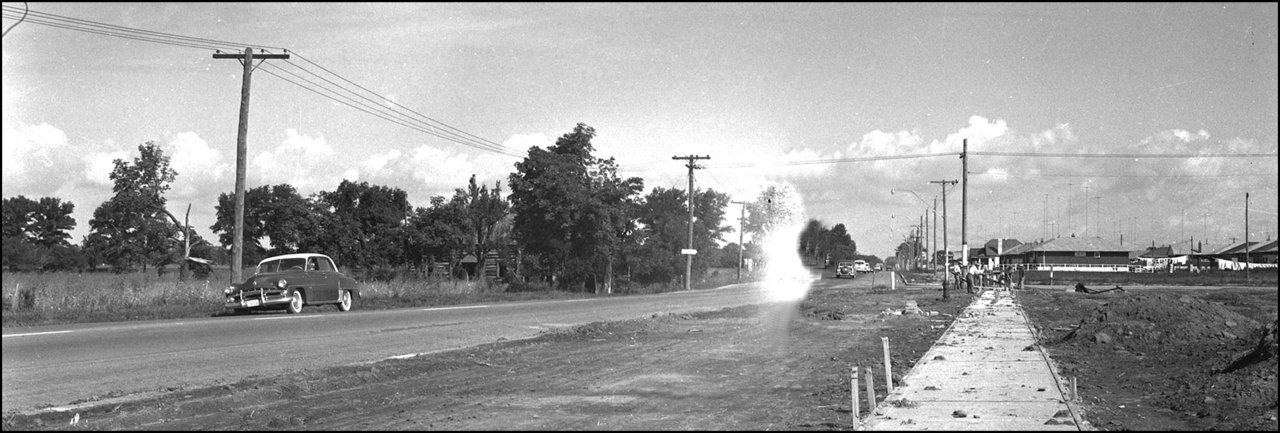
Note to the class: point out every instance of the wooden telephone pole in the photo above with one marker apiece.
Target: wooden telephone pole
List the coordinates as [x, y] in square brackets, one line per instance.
[742, 219]
[237, 241]
[688, 264]
[945, 246]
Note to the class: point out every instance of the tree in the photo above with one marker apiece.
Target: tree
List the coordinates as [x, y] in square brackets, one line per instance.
[277, 214]
[571, 208]
[436, 232]
[772, 208]
[361, 224]
[482, 209]
[43, 222]
[131, 228]
[35, 233]
[663, 218]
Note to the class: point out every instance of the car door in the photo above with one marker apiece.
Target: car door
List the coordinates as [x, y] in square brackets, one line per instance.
[326, 281]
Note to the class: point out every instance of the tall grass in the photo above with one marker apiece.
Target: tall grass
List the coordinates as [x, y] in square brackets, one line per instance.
[51, 298]
[33, 298]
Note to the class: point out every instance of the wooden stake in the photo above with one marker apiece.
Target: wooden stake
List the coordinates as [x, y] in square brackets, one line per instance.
[888, 372]
[1075, 394]
[853, 388]
[871, 392]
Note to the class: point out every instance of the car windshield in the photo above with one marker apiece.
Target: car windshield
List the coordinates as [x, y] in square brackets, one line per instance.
[282, 265]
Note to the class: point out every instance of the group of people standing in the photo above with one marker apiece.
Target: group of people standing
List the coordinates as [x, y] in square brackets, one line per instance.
[983, 275]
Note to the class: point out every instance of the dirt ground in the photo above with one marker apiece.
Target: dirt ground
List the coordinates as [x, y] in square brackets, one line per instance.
[751, 368]
[1161, 359]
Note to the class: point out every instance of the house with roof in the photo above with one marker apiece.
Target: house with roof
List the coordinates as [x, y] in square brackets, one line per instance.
[991, 253]
[1085, 254]
[1240, 255]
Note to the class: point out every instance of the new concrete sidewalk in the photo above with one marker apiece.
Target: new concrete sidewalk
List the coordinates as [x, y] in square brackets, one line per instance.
[985, 373]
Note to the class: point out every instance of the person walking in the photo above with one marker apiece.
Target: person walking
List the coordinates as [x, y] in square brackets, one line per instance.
[1022, 277]
[954, 268]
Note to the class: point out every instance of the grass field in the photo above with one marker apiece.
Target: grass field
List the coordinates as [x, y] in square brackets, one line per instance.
[32, 299]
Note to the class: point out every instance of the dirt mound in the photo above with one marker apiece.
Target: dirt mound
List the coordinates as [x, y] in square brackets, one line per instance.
[1166, 360]
[1163, 320]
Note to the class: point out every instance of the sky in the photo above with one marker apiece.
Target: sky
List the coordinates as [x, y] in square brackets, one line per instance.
[858, 107]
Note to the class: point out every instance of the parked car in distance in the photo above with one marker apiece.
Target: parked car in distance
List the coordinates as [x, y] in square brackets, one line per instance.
[879, 267]
[845, 269]
[861, 266]
[291, 281]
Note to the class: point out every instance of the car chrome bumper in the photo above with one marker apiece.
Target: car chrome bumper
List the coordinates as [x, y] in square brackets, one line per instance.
[255, 300]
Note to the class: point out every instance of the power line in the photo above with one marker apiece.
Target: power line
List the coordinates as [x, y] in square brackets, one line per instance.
[1128, 155]
[479, 139]
[1124, 175]
[456, 138]
[440, 129]
[828, 161]
[107, 29]
[25, 9]
[383, 116]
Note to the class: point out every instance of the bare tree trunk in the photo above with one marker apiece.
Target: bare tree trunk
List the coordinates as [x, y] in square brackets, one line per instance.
[608, 277]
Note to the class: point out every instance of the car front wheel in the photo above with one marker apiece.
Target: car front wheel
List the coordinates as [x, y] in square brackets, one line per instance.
[295, 304]
[344, 300]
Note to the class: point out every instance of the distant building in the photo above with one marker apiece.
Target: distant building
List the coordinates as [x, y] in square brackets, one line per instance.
[993, 251]
[1090, 254]
[1234, 257]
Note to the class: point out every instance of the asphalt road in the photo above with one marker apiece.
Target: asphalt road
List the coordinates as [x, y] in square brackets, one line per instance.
[60, 367]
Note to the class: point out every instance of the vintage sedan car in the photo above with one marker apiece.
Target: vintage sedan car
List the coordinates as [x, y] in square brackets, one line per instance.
[845, 269]
[291, 281]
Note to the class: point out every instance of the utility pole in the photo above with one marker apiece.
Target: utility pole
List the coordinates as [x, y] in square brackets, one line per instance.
[741, 225]
[688, 264]
[1246, 238]
[1044, 231]
[1086, 209]
[237, 240]
[933, 253]
[964, 203]
[919, 239]
[1097, 215]
[945, 246]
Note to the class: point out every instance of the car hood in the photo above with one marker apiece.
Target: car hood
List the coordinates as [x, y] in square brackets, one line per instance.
[266, 279]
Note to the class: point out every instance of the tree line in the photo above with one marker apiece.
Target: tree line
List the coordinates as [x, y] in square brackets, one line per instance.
[565, 217]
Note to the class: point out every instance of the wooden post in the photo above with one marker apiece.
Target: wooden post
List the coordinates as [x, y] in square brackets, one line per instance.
[888, 371]
[893, 282]
[688, 263]
[1074, 391]
[871, 392]
[853, 394]
[237, 233]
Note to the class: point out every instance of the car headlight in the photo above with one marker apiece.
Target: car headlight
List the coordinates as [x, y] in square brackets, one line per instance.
[282, 283]
[226, 291]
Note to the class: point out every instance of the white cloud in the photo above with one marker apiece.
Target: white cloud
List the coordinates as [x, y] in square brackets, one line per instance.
[98, 166]
[201, 170]
[308, 163]
[979, 132]
[378, 161]
[523, 142]
[36, 157]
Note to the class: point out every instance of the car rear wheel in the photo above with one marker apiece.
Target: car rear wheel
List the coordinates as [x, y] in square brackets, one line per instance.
[344, 300]
[295, 304]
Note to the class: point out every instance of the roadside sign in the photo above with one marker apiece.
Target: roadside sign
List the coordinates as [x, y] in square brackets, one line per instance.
[687, 251]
